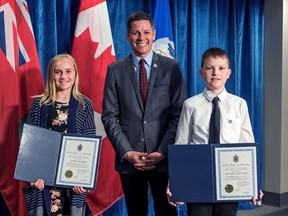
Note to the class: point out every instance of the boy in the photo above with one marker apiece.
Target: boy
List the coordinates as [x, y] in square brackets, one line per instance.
[194, 124]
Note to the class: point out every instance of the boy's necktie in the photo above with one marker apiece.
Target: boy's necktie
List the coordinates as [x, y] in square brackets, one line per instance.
[143, 80]
[214, 131]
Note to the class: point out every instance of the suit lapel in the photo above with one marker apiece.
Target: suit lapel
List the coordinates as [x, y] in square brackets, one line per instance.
[134, 81]
[153, 76]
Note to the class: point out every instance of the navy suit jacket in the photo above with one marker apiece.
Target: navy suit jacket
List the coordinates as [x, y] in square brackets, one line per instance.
[130, 126]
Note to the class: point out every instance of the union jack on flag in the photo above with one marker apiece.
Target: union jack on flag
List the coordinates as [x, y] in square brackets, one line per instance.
[12, 43]
[20, 78]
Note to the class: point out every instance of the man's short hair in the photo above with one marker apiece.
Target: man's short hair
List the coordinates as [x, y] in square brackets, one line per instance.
[139, 16]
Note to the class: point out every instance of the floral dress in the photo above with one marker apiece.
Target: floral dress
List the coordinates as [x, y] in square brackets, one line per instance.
[57, 120]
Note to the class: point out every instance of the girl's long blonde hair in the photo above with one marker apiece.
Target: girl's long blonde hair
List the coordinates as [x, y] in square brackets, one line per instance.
[49, 95]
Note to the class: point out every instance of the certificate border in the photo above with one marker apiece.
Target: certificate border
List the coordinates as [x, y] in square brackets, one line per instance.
[253, 151]
[95, 160]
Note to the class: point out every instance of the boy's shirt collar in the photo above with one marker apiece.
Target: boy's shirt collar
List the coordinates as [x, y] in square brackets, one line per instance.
[209, 96]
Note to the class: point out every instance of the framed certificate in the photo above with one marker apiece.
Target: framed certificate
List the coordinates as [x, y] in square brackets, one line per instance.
[236, 173]
[208, 173]
[63, 160]
[78, 161]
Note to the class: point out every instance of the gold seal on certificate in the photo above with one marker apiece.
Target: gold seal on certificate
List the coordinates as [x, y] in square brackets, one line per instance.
[68, 174]
[229, 188]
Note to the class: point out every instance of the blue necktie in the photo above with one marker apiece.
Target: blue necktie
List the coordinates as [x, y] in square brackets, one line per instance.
[214, 131]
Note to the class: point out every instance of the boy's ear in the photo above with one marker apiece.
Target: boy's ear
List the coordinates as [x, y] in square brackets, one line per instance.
[201, 72]
[229, 73]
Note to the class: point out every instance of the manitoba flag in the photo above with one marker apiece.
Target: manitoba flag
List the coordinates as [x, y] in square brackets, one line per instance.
[93, 50]
[20, 78]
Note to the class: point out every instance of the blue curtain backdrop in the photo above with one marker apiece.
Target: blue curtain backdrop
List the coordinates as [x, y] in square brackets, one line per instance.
[236, 26]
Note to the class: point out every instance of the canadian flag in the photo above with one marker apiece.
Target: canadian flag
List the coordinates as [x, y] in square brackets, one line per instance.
[93, 50]
[20, 78]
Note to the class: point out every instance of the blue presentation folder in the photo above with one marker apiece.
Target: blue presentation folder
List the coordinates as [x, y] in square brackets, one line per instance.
[192, 172]
[38, 155]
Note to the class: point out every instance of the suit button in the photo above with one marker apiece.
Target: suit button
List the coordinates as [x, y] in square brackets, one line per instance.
[142, 139]
[145, 122]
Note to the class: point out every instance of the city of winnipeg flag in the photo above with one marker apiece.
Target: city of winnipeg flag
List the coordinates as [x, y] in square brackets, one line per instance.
[93, 50]
[20, 78]
[163, 43]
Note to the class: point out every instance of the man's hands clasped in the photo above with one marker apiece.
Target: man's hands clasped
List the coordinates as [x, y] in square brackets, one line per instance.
[144, 161]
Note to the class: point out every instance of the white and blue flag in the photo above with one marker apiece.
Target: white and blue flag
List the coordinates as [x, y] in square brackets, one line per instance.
[163, 43]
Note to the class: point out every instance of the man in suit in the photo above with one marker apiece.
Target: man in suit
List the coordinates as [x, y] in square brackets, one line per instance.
[140, 128]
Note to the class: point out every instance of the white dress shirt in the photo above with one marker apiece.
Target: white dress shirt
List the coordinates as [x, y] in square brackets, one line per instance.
[235, 125]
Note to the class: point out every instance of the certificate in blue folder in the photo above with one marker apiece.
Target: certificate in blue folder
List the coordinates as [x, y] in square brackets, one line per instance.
[60, 159]
[213, 173]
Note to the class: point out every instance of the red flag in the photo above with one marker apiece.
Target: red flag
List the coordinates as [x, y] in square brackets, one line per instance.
[93, 50]
[20, 78]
